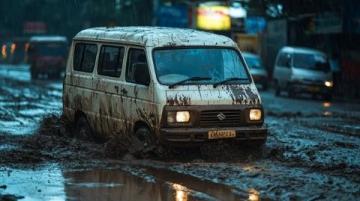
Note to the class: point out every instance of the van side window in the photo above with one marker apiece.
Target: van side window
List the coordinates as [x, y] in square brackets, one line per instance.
[110, 61]
[284, 60]
[84, 57]
[137, 68]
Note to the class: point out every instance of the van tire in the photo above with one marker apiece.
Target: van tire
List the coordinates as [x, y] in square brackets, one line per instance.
[146, 137]
[82, 129]
[277, 88]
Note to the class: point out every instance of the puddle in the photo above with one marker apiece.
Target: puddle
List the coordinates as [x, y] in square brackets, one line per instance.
[46, 183]
[53, 183]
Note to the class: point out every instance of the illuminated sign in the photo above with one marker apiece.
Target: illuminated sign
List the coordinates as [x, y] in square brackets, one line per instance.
[214, 18]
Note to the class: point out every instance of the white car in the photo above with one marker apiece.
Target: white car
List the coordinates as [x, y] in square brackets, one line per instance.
[302, 70]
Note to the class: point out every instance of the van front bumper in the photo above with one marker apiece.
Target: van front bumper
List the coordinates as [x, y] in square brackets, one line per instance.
[310, 88]
[194, 136]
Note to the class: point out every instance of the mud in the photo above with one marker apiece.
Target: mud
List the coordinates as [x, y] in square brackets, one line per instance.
[312, 153]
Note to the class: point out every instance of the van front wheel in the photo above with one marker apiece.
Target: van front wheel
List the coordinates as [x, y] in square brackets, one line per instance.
[146, 137]
[82, 129]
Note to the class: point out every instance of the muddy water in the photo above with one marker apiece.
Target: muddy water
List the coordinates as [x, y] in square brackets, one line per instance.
[312, 153]
[128, 183]
[23, 102]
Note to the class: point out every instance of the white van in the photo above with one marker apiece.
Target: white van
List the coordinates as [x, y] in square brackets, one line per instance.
[168, 85]
[302, 70]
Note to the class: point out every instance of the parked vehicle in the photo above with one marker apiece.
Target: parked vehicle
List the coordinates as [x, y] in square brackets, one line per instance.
[257, 69]
[47, 55]
[303, 70]
[174, 86]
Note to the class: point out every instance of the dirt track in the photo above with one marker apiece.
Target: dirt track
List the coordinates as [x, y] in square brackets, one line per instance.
[312, 153]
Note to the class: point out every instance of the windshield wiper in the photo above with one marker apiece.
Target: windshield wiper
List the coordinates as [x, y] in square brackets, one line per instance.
[229, 80]
[189, 79]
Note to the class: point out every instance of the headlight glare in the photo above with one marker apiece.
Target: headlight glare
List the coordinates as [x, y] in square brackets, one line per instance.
[178, 117]
[182, 116]
[328, 83]
[255, 114]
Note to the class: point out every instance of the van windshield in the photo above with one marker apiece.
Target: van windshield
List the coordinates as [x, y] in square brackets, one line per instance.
[311, 61]
[217, 64]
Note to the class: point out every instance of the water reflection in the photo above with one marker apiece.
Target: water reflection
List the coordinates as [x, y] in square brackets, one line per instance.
[254, 195]
[326, 104]
[181, 192]
[109, 185]
[52, 183]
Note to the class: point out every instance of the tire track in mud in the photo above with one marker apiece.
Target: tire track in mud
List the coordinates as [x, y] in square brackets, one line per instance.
[299, 161]
[258, 174]
[314, 148]
[23, 103]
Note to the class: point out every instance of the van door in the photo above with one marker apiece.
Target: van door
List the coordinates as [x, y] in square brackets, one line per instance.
[109, 113]
[138, 90]
[283, 69]
[79, 79]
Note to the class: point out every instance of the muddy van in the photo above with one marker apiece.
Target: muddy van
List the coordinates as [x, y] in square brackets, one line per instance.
[173, 86]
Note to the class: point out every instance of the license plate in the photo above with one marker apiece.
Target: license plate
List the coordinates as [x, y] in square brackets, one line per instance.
[218, 134]
[313, 89]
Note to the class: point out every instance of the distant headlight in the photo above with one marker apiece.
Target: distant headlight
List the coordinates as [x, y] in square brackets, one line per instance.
[329, 83]
[255, 114]
[178, 117]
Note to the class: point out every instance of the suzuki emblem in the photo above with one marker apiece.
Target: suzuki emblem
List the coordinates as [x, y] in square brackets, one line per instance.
[221, 116]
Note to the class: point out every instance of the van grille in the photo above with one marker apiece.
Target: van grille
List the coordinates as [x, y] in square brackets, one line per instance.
[217, 118]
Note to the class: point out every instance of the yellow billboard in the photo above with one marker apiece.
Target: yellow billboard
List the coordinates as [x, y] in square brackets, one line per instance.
[213, 18]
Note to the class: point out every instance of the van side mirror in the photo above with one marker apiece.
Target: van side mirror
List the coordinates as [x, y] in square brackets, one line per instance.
[141, 73]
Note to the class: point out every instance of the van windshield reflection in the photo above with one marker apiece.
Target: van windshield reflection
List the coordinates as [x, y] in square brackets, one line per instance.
[218, 64]
[311, 62]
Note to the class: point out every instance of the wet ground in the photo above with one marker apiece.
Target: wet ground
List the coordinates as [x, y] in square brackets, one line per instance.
[312, 153]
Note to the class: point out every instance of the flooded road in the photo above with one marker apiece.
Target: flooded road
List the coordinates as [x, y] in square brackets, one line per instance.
[54, 183]
[312, 153]
[23, 102]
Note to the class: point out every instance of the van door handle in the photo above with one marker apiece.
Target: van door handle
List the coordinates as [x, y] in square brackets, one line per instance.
[124, 91]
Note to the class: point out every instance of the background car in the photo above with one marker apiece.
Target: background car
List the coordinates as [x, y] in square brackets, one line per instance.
[257, 70]
[302, 70]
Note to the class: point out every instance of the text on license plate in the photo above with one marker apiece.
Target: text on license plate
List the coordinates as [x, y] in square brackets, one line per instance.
[218, 134]
[313, 89]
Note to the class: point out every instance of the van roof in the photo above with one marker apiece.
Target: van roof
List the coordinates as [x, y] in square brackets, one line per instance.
[155, 36]
[48, 39]
[303, 50]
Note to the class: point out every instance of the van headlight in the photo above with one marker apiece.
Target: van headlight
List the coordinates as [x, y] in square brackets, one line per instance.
[255, 114]
[178, 117]
[329, 84]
